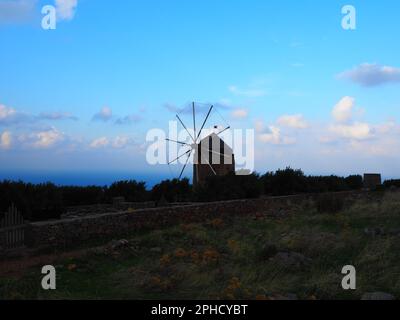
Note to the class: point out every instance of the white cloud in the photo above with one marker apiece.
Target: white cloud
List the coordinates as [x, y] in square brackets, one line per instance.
[372, 75]
[100, 143]
[16, 11]
[344, 127]
[48, 138]
[9, 116]
[6, 113]
[389, 126]
[296, 121]
[356, 131]
[259, 126]
[5, 140]
[134, 118]
[57, 116]
[240, 113]
[251, 93]
[105, 114]
[66, 8]
[272, 134]
[120, 142]
[343, 110]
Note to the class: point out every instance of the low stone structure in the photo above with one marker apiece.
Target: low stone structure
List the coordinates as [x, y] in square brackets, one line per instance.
[71, 232]
[372, 181]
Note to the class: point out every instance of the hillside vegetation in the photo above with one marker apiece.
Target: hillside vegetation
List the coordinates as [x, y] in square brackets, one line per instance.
[48, 201]
[292, 255]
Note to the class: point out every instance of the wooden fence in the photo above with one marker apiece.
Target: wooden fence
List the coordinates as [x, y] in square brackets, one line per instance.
[12, 229]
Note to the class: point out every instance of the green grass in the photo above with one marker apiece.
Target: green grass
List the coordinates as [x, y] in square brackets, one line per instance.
[223, 259]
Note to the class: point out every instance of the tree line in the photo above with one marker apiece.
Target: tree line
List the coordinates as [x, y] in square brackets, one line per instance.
[47, 201]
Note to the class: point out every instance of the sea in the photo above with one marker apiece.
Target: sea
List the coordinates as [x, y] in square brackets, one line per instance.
[83, 178]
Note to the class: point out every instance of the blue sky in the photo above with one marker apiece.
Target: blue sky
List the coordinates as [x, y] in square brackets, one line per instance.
[280, 67]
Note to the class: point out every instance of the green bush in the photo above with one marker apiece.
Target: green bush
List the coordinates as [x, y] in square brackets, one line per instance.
[172, 191]
[131, 190]
[35, 202]
[290, 181]
[392, 183]
[329, 203]
[79, 196]
[229, 187]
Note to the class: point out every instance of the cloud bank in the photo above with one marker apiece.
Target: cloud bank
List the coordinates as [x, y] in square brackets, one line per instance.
[372, 75]
[105, 114]
[66, 9]
[16, 11]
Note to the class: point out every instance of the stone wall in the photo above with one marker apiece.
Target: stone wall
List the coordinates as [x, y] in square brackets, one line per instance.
[72, 232]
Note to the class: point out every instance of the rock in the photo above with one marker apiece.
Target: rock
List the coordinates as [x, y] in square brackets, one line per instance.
[259, 216]
[118, 244]
[269, 250]
[71, 267]
[377, 296]
[277, 296]
[156, 250]
[98, 251]
[292, 259]
[394, 232]
[289, 296]
[374, 232]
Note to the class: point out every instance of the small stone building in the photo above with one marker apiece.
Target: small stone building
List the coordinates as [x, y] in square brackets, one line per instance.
[372, 180]
[212, 151]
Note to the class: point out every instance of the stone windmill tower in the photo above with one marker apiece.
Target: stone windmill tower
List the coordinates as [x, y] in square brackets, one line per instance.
[211, 155]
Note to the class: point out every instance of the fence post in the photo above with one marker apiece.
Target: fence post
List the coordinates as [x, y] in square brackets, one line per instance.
[12, 229]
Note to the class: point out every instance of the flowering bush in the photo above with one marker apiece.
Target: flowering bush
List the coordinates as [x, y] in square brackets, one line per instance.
[233, 245]
[210, 255]
[217, 223]
[165, 259]
[180, 253]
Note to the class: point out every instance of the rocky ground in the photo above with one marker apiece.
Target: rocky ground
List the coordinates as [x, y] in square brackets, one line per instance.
[289, 256]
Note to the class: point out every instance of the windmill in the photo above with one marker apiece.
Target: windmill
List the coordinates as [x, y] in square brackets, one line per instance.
[195, 147]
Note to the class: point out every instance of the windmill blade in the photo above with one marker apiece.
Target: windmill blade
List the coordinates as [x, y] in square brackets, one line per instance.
[185, 127]
[222, 131]
[204, 123]
[210, 166]
[194, 120]
[184, 167]
[179, 142]
[180, 156]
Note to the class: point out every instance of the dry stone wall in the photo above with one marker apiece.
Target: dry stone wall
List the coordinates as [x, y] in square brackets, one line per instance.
[72, 232]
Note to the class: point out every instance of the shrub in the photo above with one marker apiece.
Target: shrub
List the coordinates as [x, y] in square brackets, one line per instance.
[354, 182]
[290, 181]
[131, 190]
[35, 202]
[229, 187]
[392, 183]
[284, 182]
[328, 203]
[79, 196]
[172, 191]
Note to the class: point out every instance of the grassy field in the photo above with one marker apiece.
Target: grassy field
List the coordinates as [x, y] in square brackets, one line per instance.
[294, 255]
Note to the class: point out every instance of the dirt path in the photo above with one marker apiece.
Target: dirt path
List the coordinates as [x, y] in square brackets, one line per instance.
[16, 268]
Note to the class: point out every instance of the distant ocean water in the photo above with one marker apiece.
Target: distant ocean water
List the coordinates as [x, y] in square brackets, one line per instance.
[77, 178]
[99, 178]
